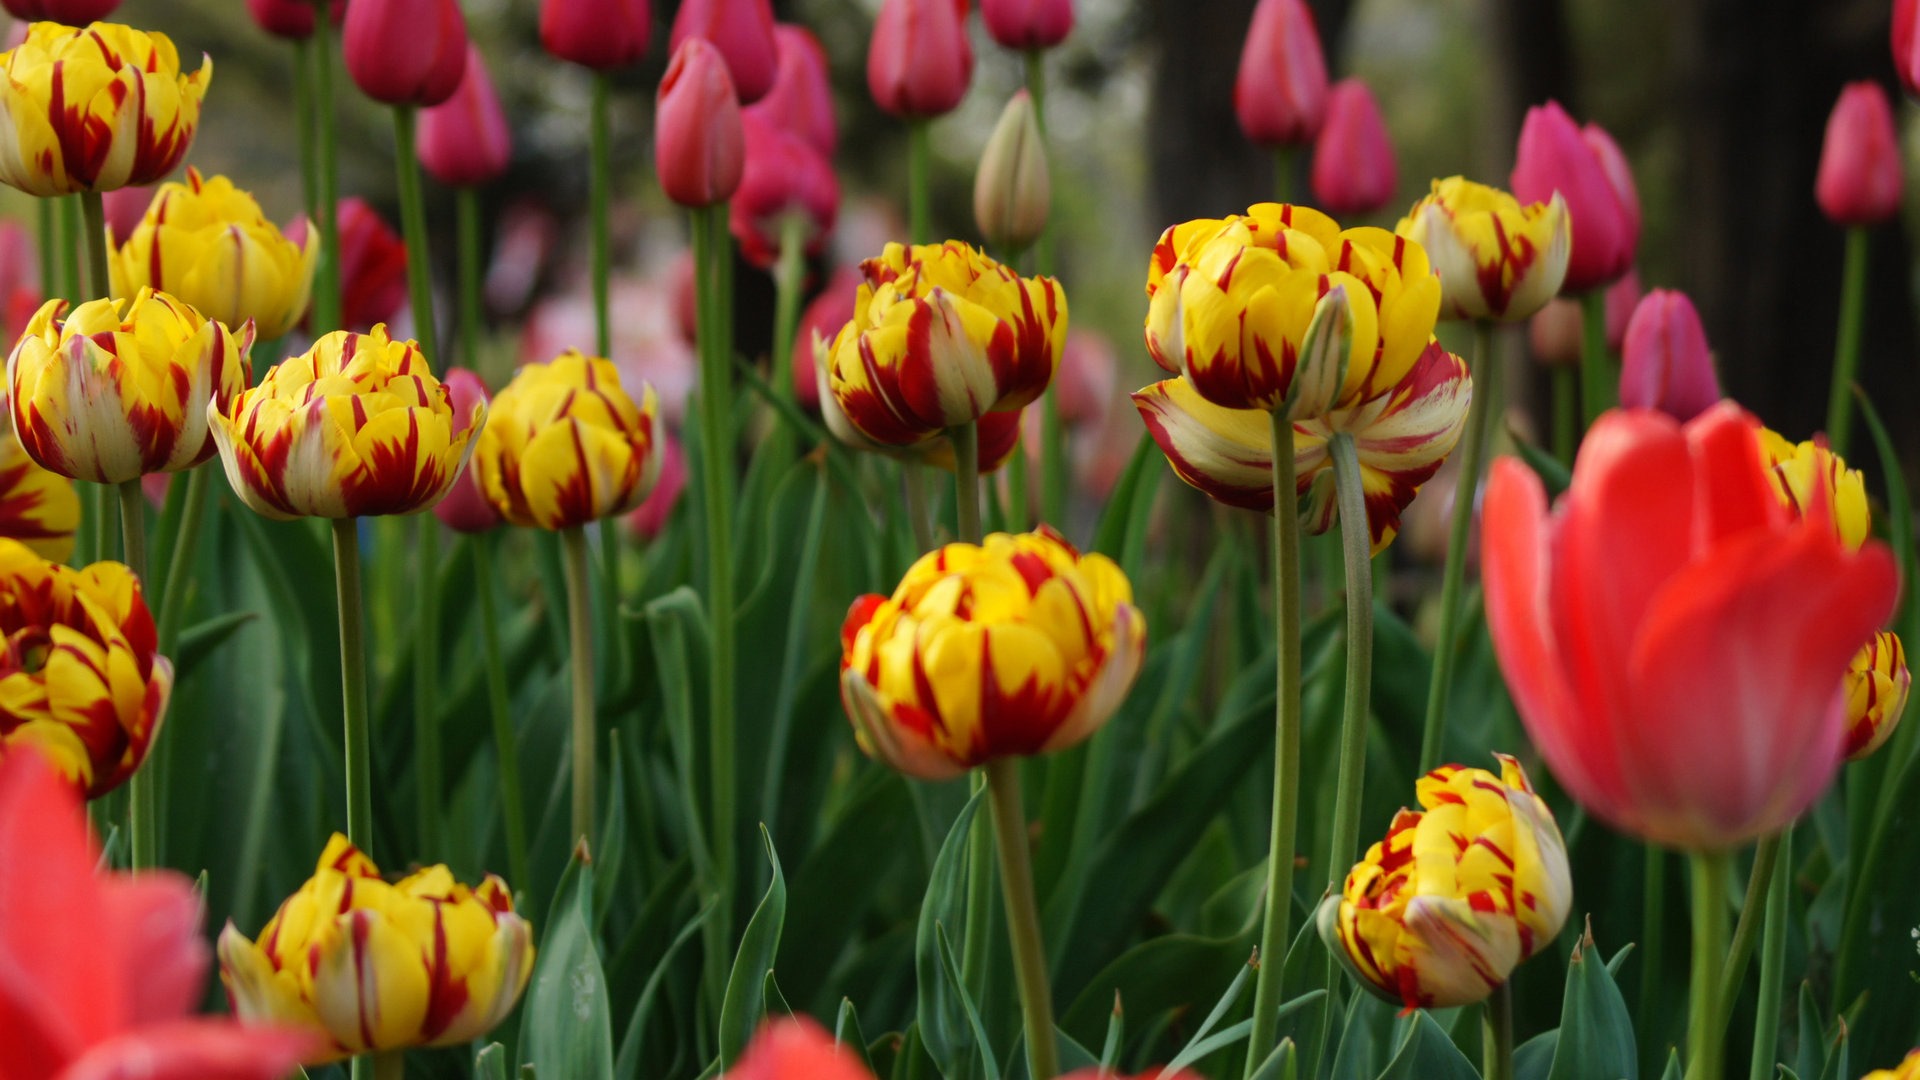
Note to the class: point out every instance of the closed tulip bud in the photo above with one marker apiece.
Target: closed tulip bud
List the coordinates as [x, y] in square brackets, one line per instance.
[208, 244]
[95, 109]
[1908, 1069]
[1878, 683]
[1026, 25]
[784, 179]
[699, 147]
[1280, 93]
[38, 507]
[464, 141]
[600, 34]
[1353, 167]
[819, 324]
[650, 518]
[742, 31]
[405, 52]
[1496, 259]
[1586, 169]
[1906, 49]
[121, 388]
[1012, 192]
[291, 19]
[1665, 364]
[919, 63]
[70, 12]
[1461, 891]
[1555, 332]
[801, 100]
[357, 426]
[466, 509]
[379, 966]
[1016, 647]
[1860, 176]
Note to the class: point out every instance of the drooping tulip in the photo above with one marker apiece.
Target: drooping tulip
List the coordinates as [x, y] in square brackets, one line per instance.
[1665, 363]
[1674, 637]
[699, 145]
[784, 177]
[70, 12]
[1586, 168]
[600, 34]
[1496, 258]
[919, 64]
[819, 324]
[1012, 189]
[801, 100]
[291, 19]
[1860, 176]
[1280, 93]
[464, 141]
[742, 31]
[405, 52]
[1353, 167]
[466, 509]
[1554, 333]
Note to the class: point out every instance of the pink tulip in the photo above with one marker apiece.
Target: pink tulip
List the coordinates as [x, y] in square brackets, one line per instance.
[100, 973]
[406, 52]
[464, 141]
[1674, 636]
[650, 518]
[1665, 364]
[1353, 168]
[1906, 43]
[1860, 177]
[801, 100]
[125, 207]
[70, 12]
[743, 32]
[824, 317]
[1588, 170]
[1280, 93]
[600, 34]
[698, 147]
[1026, 25]
[784, 175]
[465, 509]
[919, 63]
[292, 19]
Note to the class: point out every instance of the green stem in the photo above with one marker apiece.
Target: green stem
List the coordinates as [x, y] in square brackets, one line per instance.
[1480, 412]
[326, 295]
[49, 211]
[71, 260]
[1566, 413]
[1274, 931]
[1860, 891]
[466, 203]
[1597, 376]
[973, 949]
[499, 704]
[1704, 1038]
[966, 471]
[1496, 1034]
[573, 546]
[1023, 917]
[919, 181]
[919, 509]
[1283, 174]
[391, 1065]
[1053, 439]
[303, 125]
[142, 790]
[353, 682]
[1766, 855]
[413, 223]
[600, 196]
[1356, 537]
[1846, 347]
[1653, 915]
[1773, 963]
[428, 757]
[789, 283]
[94, 210]
[173, 600]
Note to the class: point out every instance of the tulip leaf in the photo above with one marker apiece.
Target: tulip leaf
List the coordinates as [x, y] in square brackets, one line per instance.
[942, 1017]
[950, 972]
[1116, 1034]
[1554, 475]
[1110, 536]
[1533, 1059]
[1596, 1033]
[1154, 977]
[198, 640]
[745, 1002]
[1197, 1047]
[847, 1035]
[490, 1063]
[567, 1029]
[628, 1064]
[1672, 1071]
[1428, 1054]
[1282, 1064]
[1368, 1028]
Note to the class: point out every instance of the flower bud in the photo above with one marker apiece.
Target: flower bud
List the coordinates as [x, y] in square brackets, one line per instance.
[1353, 167]
[600, 34]
[1860, 176]
[68, 12]
[699, 148]
[1280, 93]
[1026, 25]
[801, 100]
[464, 141]
[405, 52]
[1587, 169]
[1877, 686]
[784, 177]
[1665, 363]
[466, 509]
[919, 63]
[291, 19]
[1012, 192]
[742, 30]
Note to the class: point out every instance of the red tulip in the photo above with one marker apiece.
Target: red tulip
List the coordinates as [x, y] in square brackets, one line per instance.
[796, 1047]
[464, 141]
[1588, 170]
[1280, 93]
[1860, 177]
[600, 34]
[406, 52]
[1906, 43]
[743, 32]
[649, 519]
[1025, 25]
[1666, 364]
[1353, 168]
[1674, 636]
[919, 63]
[698, 147]
[801, 100]
[465, 509]
[291, 18]
[373, 265]
[784, 175]
[70, 12]
[824, 317]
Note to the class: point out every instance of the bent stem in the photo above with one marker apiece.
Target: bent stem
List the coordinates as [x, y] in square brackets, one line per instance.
[1747, 929]
[1596, 368]
[573, 546]
[1704, 1041]
[143, 798]
[1274, 930]
[1356, 537]
[1496, 1034]
[919, 181]
[499, 704]
[1846, 346]
[1773, 963]
[1023, 917]
[353, 682]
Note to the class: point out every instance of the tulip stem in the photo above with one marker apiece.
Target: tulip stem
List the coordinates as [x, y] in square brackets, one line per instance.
[600, 196]
[1053, 443]
[93, 209]
[1746, 930]
[919, 181]
[391, 1065]
[1566, 414]
[326, 295]
[573, 545]
[70, 258]
[966, 470]
[303, 126]
[789, 282]
[1846, 348]
[1023, 917]
[466, 202]
[49, 244]
[966, 461]
[1653, 921]
[413, 224]
[1481, 409]
[173, 600]
[142, 797]
[353, 682]
[1283, 174]
[1596, 367]
[1496, 1034]
[1704, 1037]
[499, 704]
[919, 513]
[1275, 929]
[1773, 962]
[1356, 536]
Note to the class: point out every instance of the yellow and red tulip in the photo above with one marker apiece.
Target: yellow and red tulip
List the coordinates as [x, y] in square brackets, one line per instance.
[999, 432]
[357, 426]
[1496, 258]
[37, 507]
[377, 965]
[1014, 647]
[1909, 1069]
[568, 445]
[95, 108]
[1878, 683]
[1440, 912]
[79, 679]
[120, 388]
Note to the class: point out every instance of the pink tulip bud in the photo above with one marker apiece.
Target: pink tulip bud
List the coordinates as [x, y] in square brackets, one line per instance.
[824, 317]
[743, 32]
[699, 149]
[919, 63]
[1906, 43]
[1280, 93]
[125, 207]
[70, 12]
[650, 518]
[1665, 364]
[1588, 170]
[292, 19]
[465, 509]
[784, 176]
[1555, 333]
[801, 100]
[1025, 25]
[1353, 168]
[464, 141]
[600, 34]
[1860, 177]
[406, 52]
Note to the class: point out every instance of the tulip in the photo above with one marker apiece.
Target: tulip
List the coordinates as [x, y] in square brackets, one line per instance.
[998, 432]
[1554, 333]
[942, 336]
[1012, 192]
[466, 509]
[600, 34]
[292, 19]
[819, 323]
[699, 146]
[357, 426]
[1496, 259]
[464, 141]
[1860, 177]
[1878, 683]
[796, 1046]
[95, 109]
[1674, 638]
[784, 176]
[1586, 168]
[39, 508]
[1016, 647]
[650, 518]
[742, 31]
[1353, 167]
[70, 12]
[919, 63]
[1280, 93]
[1906, 43]
[376, 966]
[405, 52]
[121, 388]
[1666, 364]
[1908, 1069]
[1440, 912]
[567, 445]
[1027, 25]
[373, 267]
[1280, 310]
[207, 243]
[801, 100]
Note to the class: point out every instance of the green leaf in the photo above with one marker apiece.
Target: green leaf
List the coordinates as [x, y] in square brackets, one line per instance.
[1553, 475]
[628, 1064]
[198, 640]
[568, 1029]
[1672, 1071]
[490, 1063]
[1193, 1051]
[944, 1029]
[1533, 1059]
[1368, 1029]
[846, 1033]
[1110, 536]
[1163, 973]
[950, 972]
[1282, 1064]
[1596, 1033]
[1116, 1034]
[745, 1002]
[1428, 1054]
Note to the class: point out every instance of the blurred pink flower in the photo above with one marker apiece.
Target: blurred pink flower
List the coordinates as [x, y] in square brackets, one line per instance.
[801, 100]
[600, 34]
[465, 509]
[919, 63]
[1586, 167]
[1280, 93]
[698, 148]
[464, 141]
[1860, 177]
[784, 175]
[646, 339]
[1024, 25]
[1353, 166]
[1665, 364]
[650, 518]
[742, 31]
[1555, 332]
[405, 52]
